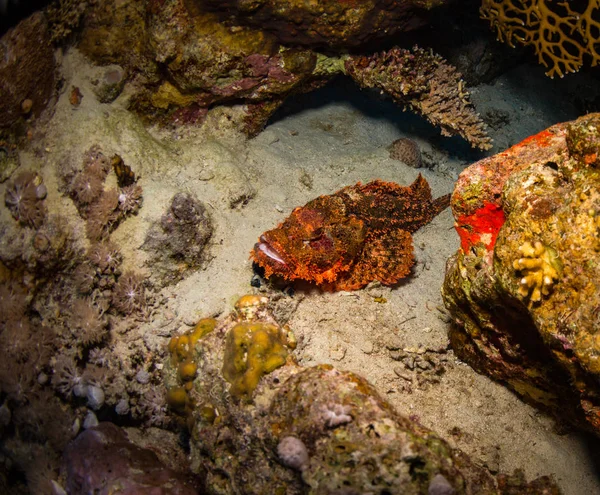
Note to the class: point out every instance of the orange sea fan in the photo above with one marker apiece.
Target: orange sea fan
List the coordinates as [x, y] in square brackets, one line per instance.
[561, 36]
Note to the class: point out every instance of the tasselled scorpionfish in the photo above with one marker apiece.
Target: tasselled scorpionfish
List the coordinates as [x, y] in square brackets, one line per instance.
[348, 239]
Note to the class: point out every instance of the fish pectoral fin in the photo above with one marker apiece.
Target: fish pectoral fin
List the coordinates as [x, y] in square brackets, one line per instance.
[386, 257]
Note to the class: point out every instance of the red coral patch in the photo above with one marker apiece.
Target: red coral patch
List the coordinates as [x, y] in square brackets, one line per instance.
[480, 227]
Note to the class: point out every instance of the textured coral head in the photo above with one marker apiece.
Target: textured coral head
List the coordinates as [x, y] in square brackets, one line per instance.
[316, 242]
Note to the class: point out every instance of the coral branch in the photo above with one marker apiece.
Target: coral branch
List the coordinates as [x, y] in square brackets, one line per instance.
[426, 84]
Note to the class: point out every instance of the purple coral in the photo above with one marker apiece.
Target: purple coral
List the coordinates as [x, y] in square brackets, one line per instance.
[84, 278]
[153, 406]
[24, 198]
[87, 188]
[129, 294]
[13, 303]
[67, 379]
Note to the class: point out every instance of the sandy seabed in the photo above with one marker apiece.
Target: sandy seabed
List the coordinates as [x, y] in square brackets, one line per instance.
[317, 144]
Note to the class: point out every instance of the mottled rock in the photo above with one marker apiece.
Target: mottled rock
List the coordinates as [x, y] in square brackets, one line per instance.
[407, 151]
[102, 460]
[525, 285]
[27, 69]
[327, 23]
[303, 430]
[110, 84]
[177, 242]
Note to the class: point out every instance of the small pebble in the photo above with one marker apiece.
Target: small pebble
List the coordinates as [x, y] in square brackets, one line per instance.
[409, 362]
[95, 397]
[90, 420]
[367, 347]
[57, 489]
[142, 377]
[26, 106]
[439, 485]
[256, 281]
[122, 407]
[41, 191]
[293, 453]
[80, 390]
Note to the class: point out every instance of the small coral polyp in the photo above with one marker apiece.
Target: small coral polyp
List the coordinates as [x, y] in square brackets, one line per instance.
[538, 269]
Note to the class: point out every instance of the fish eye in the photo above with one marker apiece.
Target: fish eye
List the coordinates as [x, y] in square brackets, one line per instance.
[321, 241]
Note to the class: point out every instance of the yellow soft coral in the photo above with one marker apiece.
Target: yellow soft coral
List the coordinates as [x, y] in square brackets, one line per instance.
[538, 269]
[560, 35]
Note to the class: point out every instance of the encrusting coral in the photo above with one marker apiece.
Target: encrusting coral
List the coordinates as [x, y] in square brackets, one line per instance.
[177, 243]
[102, 209]
[251, 351]
[59, 306]
[525, 285]
[129, 294]
[563, 34]
[87, 322]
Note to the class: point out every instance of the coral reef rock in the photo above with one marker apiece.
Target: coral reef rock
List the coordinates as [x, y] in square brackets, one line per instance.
[524, 286]
[326, 23]
[302, 430]
[347, 239]
[27, 70]
[170, 47]
[103, 460]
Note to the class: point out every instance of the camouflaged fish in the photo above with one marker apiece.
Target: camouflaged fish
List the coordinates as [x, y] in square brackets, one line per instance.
[357, 235]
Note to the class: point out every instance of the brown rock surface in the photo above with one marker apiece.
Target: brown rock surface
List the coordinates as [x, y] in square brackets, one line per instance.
[27, 69]
[103, 460]
[328, 23]
[525, 285]
[185, 60]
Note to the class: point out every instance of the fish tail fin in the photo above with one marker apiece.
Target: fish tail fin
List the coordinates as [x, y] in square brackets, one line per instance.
[440, 204]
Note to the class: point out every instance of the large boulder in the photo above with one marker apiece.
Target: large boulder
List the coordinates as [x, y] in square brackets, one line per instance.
[262, 424]
[104, 460]
[524, 288]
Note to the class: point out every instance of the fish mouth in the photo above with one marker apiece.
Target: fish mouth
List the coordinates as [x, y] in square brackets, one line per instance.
[269, 250]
